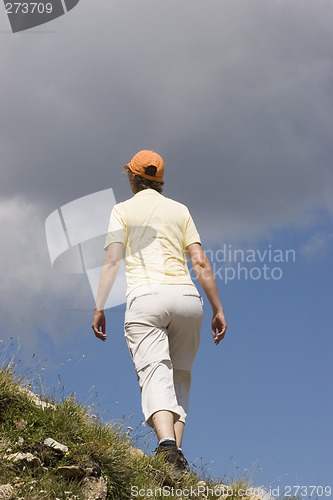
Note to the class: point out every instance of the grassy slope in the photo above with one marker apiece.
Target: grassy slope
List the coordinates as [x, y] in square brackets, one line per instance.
[24, 426]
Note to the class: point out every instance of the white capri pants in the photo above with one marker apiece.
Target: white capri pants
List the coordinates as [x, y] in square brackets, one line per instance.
[162, 330]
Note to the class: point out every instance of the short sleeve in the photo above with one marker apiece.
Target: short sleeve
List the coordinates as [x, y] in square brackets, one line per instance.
[117, 228]
[191, 233]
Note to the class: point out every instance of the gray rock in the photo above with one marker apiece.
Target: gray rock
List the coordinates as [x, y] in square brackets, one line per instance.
[26, 460]
[35, 399]
[21, 424]
[94, 488]
[55, 445]
[93, 471]
[6, 492]
[71, 471]
[260, 493]
[136, 452]
[20, 441]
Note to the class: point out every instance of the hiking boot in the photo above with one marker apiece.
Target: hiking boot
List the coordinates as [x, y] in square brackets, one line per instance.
[183, 460]
[174, 456]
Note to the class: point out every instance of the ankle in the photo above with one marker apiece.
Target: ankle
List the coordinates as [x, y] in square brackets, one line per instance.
[169, 441]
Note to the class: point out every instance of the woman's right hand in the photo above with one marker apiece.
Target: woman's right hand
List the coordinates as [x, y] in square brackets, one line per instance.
[99, 325]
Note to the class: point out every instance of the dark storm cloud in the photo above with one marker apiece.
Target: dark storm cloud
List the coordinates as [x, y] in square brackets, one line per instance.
[237, 97]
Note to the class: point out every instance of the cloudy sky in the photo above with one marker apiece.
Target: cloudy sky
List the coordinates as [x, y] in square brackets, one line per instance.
[236, 95]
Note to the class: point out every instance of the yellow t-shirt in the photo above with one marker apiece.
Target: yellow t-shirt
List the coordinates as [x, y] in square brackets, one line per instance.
[155, 232]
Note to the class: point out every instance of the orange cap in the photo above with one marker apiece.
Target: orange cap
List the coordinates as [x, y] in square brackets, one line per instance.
[144, 159]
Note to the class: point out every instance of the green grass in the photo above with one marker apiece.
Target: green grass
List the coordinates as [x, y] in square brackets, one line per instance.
[103, 447]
